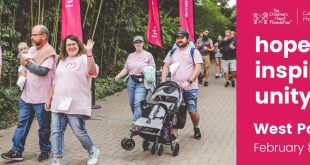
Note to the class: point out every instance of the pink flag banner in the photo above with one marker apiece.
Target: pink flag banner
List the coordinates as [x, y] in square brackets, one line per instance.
[71, 19]
[186, 14]
[153, 27]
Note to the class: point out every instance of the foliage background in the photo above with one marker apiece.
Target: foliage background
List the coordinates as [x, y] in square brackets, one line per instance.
[112, 24]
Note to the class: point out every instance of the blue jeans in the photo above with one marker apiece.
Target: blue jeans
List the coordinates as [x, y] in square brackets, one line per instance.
[136, 93]
[77, 124]
[190, 98]
[26, 115]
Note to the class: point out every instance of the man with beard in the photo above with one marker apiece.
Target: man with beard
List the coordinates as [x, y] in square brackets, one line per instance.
[40, 72]
[205, 46]
[186, 75]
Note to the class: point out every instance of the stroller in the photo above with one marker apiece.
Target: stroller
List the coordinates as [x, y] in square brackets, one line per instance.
[159, 115]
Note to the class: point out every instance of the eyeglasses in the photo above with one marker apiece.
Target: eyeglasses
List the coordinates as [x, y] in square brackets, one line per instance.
[34, 35]
[138, 42]
[73, 44]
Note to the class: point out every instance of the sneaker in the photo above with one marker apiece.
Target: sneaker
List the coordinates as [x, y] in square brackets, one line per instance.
[197, 134]
[227, 84]
[217, 76]
[12, 156]
[206, 84]
[93, 157]
[233, 84]
[54, 162]
[44, 156]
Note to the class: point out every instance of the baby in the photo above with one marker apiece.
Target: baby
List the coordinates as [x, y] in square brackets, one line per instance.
[22, 71]
[22, 49]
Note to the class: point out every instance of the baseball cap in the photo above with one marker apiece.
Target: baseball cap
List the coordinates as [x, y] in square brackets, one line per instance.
[182, 33]
[138, 38]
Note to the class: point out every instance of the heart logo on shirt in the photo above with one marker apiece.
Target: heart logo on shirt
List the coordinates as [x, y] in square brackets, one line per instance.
[70, 66]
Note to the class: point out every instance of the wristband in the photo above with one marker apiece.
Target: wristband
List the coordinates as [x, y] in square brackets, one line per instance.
[90, 55]
[189, 81]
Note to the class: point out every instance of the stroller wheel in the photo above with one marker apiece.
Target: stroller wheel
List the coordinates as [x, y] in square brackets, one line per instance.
[123, 142]
[159, 149]
[145, 144]
[175, 149]
[153, 149]
[128, 144]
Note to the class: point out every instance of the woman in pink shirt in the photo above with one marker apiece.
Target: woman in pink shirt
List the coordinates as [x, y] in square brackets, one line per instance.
[70, 99]
[134, 68]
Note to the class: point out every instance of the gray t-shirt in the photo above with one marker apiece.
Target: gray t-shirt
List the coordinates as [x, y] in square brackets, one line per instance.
[204, 43]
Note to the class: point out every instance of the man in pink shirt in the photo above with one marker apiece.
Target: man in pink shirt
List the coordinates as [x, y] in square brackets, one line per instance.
[186, 76]
[40, 74]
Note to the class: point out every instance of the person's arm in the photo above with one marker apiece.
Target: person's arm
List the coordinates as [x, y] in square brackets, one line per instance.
[211, 46]
[164, 72]
[198, 45]
[91, 65]
[47, 105]
[38, 70]
[232, 45]
[122, 73]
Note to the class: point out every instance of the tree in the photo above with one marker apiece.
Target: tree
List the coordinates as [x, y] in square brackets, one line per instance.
[208, 15]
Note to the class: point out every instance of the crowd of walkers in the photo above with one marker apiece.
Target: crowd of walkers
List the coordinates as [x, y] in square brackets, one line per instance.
[224, 50]
[57, 92]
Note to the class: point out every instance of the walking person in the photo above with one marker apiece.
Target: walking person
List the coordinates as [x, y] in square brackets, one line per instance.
[218, 57]
[228, 48]
[205, 46]
[186, 75]
[69, 99]
[134, 66]
[40, 73]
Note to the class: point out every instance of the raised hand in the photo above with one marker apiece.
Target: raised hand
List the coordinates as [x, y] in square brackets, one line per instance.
[89, 46]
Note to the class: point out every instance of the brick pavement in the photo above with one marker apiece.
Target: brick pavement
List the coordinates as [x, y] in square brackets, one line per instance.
[111, 123]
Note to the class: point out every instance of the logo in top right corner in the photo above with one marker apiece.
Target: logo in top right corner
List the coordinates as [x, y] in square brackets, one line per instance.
[274, 17]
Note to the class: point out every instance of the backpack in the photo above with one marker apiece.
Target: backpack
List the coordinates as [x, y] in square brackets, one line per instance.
[191, 51]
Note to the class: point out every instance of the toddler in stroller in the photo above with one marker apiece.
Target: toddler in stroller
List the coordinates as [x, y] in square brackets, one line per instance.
[157, 119]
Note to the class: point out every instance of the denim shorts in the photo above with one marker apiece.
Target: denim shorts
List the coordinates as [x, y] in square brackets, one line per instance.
[190, 98]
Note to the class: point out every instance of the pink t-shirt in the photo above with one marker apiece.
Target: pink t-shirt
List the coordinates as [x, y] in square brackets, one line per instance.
[137, 61]
[37, 87]
[72, 80]
[187, 67]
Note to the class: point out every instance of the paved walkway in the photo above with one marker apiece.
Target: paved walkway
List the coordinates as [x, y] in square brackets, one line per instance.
[111, 123]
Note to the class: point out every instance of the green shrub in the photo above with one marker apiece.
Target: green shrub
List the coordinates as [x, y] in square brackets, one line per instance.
[106, 87]
[9, 97]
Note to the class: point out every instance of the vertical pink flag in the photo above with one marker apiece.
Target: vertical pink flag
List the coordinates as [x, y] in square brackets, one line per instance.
[71, 19]
[153, 27]
[186, 14]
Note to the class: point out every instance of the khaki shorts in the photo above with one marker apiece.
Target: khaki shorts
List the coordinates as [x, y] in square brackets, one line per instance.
[206, 61]
[228, 64]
